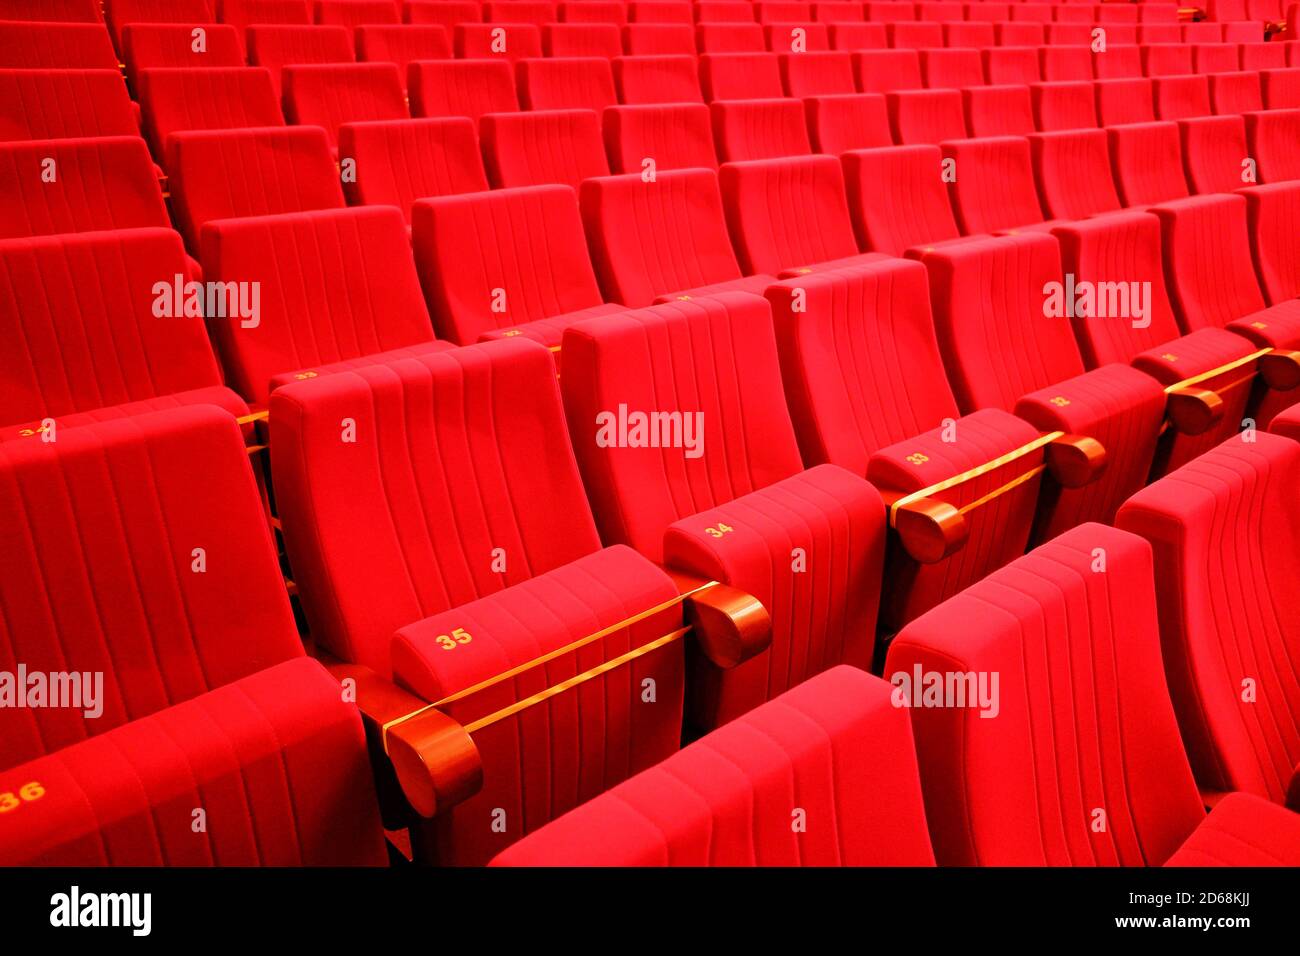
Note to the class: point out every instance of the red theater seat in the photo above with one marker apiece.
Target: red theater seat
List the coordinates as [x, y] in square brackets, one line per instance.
[734, 508]
[329, 95]
[897, 198]
[207, 702]
[444, 13]
[991, 185]
[1120, 102]
[147, 46]
[121, 13]
[52, 11]
[926, 116]
[998, 110]
[1065, 64]
[1235, 92]
[535, 12]
[230, 174]
[951, 69]
[505, 263]
[670, 136]
[886, 412]
[355, 13]
[1147, 160]
[276, 46]
[594, 12]
[1225, 539]
[1004, 348]
[1011, 64]
[817, 74]
[55, 46]
[730, 38]
[724, 11]
[393, 556]
[1113, 252]
[101, 183]
[244, 13]
[637, 230]
[1166, 59]
[566, 83]
[551, 146]
[1214, 153]
[504, 41]
[337, 288]
[657, 79]
[1273, 213]
[1181, 97]
[740, 76]
[583, 39]
[462, 88]
[1123, 62]
[759, 129]
[659, 39]
[840, 123]
[1273, 135]
[1281, 89]
[1073, 173]
[1062, 106]
[727, 800]
[183, 99]
[789, 216]
[994, 791]
[400, 161]
[1213, 284]
[89, 338]
[1243, 830]
[64, 104]
[884, 71]
[402, 45]
[660, 11]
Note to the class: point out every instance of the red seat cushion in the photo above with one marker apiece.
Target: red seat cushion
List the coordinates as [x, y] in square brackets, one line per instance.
[834, 747]
[549, 759]
[276, 762]
[1243, 830]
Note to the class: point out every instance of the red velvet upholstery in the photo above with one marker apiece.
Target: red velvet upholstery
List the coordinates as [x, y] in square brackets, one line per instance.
[276, 46]
[1073, 173]
[1214, 148]
[506, 262]
[642, 80]
[333, 284]
[541, 148]
[992, 184]
[120, 13]
[236, 173]
[745, 475]
[672, 135]
[1126, 248]
[834, 747]
[1082, 765]
[867, 391]
[638, 231]
[1147, 161]
[1062, 105]
[216, 710]
[490, 414]
[841, 122]
[501, 41]
[102, 183]
[1227, 545]
[148, 46]
[566, 83]
[1002, 350]
[1242, 830]
[1124, 101]
[28, 45]
[185, 99]
[35, 104]
[740, 76]
[332, 94]
[998, 110]
[403, 44]
[1273, 213]
[77, 312]
[400, 161]
[759, 129]
[462, 88]
[789, 214]
[897, 198]
[1272, 135]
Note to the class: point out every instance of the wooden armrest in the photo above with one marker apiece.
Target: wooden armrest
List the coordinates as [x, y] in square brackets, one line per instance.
[1280, 369]
[929, 529]
[730, 626]
[423, 760]
[1194, 410]
[1075, 460]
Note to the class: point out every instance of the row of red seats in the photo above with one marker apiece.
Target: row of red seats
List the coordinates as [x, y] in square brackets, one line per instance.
[31, 45]
[224, 715]
[330, 96]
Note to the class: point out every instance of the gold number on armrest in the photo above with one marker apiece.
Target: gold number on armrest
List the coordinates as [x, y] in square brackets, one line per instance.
[449, 642]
